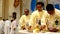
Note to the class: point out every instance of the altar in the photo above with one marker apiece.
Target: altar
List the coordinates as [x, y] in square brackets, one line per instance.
[26, 32]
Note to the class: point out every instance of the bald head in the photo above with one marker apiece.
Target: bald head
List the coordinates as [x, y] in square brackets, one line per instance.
[26, 11]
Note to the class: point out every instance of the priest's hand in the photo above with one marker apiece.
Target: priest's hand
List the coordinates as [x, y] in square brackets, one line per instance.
[43, 27]
[53, 29]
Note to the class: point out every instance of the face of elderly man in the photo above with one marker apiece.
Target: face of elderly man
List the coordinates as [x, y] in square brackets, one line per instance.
[26, 12]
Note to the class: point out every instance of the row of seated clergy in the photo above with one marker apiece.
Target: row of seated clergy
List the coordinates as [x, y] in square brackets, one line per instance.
[41, 19]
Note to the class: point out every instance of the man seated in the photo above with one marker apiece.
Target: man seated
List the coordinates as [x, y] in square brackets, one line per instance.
[24, 20]
[52, 18]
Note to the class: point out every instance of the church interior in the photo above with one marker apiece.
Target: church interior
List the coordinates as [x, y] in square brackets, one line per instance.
[29, 16]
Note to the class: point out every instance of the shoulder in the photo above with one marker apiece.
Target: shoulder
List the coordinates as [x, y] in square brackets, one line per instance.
[45, 13]
[35, 12]
[14, 21]
[22, 16]
[7, 21]
[57, 12]
[1, 21]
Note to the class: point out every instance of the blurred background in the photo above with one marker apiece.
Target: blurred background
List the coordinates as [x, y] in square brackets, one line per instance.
[7, 7]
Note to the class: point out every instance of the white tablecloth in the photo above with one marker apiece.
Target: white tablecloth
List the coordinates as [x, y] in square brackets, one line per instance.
[26, 32]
